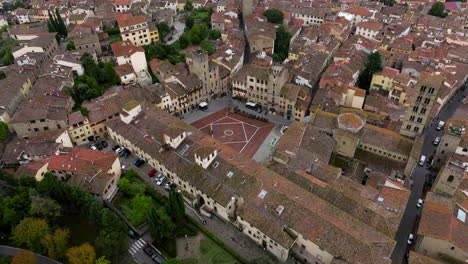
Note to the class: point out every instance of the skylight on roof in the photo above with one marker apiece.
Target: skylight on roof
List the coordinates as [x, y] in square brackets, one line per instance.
[186, 147]
[279, 209]
[461, 215]
[262, 194]
[230, 174]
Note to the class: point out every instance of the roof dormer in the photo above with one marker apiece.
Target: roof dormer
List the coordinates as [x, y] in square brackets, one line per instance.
[173, 136]
[205, 155]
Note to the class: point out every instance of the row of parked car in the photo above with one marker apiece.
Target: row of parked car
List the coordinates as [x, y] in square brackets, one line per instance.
[160, 179]
[99, 145]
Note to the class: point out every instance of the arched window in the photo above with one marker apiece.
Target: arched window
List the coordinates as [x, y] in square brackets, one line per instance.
[450, 178]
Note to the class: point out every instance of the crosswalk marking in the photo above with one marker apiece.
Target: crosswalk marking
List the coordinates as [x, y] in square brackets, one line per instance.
[137, 246]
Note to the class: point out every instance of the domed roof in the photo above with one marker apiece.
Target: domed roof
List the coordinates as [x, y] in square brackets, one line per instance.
[350, 122]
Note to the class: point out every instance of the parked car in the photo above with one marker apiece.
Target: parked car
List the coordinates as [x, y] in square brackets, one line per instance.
[436, 141]
[114, 148]
[119, 149]
[93, 147]
[153, 254]
[160, 180]
[132, 234]
[169, 186]
[410, 239]
[104, 144]
[152, 172]
[99, 146]
[419, 203]
[124, 152]
[422, 160]
[138, 162]
[440, 125]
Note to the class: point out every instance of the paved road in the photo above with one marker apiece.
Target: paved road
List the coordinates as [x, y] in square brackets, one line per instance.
[11, 251]
[412, 213]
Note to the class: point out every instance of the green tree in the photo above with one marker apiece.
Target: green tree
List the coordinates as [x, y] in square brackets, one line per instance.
[84, 111]
[84, 254]
[206, 45]
[160, 223]
[140, 205]
[176, 206]
[163, 29]
[195, 35]
[45, 207]
[274, 15]
[373, 65]
[29, 233]
[215, 34]
[438, 10]
[102, 260]
[19, 4]
[127, 188]
[62, 28]
[8, 58]
[71, 45]
[189, 22]
[282, 40]
[188, 6]
[56, 244]
[24, 257]
[184, 41]
[3, 131]
[204, 31]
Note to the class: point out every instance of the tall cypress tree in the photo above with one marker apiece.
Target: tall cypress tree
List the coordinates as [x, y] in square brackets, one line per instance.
[52, 24]
[62, 28]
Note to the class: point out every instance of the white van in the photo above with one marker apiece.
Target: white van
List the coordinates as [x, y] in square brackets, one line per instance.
[422, 160]
[440, 125]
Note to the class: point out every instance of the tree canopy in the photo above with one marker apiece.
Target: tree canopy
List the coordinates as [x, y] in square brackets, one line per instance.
[30, 232]
[84, 254]
[438, 10]
[160, 223]
[55, 24]
[281, 44]
[24, 257]
[56, 243]
[163, 30]
[3, 131]
[373, 65]
[274, 15]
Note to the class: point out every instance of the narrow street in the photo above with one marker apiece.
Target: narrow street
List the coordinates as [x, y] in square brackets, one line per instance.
[421, 175]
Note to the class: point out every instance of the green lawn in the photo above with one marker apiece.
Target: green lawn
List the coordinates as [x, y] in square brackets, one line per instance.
[211, 253]
[115, 38]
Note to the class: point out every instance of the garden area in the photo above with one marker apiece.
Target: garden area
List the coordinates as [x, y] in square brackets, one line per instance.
[165, 217]
[97, 78]
[211, 253]
[62, 222]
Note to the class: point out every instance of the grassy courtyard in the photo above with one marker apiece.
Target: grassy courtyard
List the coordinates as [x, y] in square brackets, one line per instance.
[211, 253]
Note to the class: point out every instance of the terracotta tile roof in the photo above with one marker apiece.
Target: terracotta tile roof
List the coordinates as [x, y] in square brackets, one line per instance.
[359, 11]
[83, 160]
[123, 2]
[439, 221]
[330, 227]
[125, 48]
[125, 20]
[123, 69]
[376, 26]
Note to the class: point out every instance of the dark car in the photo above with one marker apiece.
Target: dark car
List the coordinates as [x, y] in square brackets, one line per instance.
[132, 234]
[138, 162]
[114, 148]
[153, 254]
[98, 145]
[104, 144]
[124, 152]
